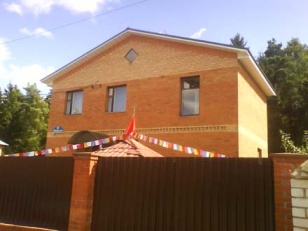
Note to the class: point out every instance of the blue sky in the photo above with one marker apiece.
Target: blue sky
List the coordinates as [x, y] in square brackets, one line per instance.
[38, 37]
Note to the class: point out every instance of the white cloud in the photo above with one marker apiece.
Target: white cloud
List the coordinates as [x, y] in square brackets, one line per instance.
[37, 6]
[39, 32]
[21, 75]
[13, 7]
[91, 6]
[30, 74]
[198, 34]
[45, 6]
[5, 54]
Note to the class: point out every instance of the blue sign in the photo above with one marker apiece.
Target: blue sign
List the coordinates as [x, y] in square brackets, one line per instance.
[57, 129]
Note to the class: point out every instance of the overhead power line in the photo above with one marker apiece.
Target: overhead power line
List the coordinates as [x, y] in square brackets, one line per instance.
[76, 22]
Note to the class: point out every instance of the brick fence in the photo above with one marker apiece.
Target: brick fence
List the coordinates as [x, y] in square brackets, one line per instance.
[82, 192]
[284, 165]
[83, 182]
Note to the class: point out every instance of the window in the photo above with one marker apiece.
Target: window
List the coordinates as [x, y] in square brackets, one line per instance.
[131, 55]
[74, 103]
[190, 96]
[116, 99]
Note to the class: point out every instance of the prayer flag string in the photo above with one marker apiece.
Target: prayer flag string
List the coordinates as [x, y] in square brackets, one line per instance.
[151, 140]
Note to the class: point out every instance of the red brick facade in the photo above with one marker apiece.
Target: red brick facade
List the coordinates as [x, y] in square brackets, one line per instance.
[82, 192]
[227, 93]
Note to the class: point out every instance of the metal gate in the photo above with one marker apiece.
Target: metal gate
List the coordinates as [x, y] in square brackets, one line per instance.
[36, 191]
[177, 194]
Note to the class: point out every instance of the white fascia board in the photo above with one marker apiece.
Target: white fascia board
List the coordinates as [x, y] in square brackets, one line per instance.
[251, 66]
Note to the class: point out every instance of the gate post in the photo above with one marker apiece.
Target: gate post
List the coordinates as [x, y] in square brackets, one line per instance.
[299, 192]
[82, 192]
[284, 164]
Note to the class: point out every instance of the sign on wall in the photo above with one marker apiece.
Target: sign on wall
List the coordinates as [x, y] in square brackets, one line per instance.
[57, 129]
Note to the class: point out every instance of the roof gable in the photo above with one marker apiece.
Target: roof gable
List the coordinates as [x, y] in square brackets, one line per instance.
[243, 55]
[127, 148]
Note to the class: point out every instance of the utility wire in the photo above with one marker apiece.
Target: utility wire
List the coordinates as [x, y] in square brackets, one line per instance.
[76, 22]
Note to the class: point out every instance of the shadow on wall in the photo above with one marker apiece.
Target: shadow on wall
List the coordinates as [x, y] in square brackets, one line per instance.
[87, 136]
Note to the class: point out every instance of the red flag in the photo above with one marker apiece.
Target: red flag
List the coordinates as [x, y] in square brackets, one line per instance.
[131, 127]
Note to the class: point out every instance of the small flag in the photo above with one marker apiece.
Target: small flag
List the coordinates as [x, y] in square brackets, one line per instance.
[196, 152]
[114, 138]
[131, 127]
[205, 154]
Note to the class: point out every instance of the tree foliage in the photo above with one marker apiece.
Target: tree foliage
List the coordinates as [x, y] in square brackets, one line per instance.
[238, 41]
[287, 70]
[289, 146]
[24, 118]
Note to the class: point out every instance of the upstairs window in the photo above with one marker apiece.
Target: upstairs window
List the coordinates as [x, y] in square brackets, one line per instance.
[190, 96]
[74, 103]
[116, 99]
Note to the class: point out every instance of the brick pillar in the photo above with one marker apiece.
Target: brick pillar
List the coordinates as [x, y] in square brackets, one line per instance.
[82, 192]
[299, 192]
[284, 164]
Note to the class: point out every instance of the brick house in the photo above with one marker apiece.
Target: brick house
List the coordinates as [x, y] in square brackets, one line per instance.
[190, 92]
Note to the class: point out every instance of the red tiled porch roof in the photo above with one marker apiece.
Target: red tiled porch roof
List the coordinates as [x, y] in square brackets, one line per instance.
[127, 148]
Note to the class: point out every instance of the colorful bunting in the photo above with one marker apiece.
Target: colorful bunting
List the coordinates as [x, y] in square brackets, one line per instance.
[151, 140]
[177, 147]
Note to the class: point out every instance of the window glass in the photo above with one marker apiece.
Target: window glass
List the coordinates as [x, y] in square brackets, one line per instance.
[74, 103]
[116, 99]
[190, 96]
[119, 99]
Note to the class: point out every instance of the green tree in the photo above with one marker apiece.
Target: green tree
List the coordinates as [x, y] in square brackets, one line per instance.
[34, 110]
[11, 107]
[287, 70]
[289, 146]
[3, 115]
[273, 49]
[238, 41]
[25, 127]
[48, 98]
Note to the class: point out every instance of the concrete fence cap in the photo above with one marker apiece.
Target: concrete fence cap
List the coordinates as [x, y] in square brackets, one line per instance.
[301, 172]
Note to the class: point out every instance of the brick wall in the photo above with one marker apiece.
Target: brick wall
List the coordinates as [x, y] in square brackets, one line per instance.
[156, 112]
[284, 164]
[82, 192]
[299, 193]
[153, 88]
[252, 136]
[157, 102]
[156, 58]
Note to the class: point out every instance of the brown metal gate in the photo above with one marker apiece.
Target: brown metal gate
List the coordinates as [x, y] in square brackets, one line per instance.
[36, 191]
[183, 194]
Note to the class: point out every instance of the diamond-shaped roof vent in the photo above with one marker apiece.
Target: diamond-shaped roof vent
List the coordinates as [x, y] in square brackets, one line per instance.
[131, 55]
